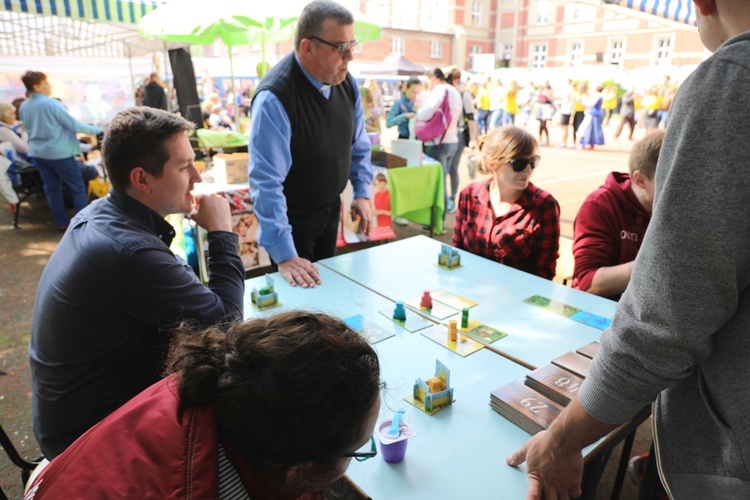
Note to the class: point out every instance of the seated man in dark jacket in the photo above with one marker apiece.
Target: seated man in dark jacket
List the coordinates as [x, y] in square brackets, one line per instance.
[113, 291]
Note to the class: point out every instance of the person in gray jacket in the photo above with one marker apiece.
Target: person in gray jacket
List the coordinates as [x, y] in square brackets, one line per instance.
[681, 334]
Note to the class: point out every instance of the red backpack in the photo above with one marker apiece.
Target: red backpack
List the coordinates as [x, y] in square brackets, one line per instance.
[437, 125]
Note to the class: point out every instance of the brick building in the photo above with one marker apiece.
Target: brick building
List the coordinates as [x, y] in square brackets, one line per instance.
[515, 34]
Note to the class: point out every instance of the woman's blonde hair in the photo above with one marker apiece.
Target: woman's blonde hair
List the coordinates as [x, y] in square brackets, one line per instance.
[505, 143]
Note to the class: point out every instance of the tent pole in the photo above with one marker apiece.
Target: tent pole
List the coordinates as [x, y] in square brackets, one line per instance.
[232, 91]
[132, 77]
[166, 77]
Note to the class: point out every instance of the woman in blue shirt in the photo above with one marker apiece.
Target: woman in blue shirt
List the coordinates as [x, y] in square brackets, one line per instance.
[53, 145]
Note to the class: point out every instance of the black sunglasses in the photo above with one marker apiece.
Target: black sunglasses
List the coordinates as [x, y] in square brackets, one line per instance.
[520, 164]
[341, 47]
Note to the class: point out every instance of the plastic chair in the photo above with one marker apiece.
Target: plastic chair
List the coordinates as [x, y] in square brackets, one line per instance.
[565, 263]
[25, 466]
[27, 181]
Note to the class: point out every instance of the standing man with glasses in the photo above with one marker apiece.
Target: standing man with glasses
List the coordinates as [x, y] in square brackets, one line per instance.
[307, 139]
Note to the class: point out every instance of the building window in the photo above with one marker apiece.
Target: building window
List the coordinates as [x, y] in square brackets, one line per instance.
[663, 54]
[539, 55]
[575, 53]
[476, 13]
[436, 49]
[617, 52]
[508, 51]
[397, 45]
[433, 13]
[475, 49]
[542, 11]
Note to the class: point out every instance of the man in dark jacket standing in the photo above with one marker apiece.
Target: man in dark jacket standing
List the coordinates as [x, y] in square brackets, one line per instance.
[153, 93]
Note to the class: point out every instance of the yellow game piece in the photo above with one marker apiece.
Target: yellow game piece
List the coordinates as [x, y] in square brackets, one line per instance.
[452, 330]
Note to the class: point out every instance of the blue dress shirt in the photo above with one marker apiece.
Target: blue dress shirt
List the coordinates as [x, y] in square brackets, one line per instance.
[271, 160]
[51, 129]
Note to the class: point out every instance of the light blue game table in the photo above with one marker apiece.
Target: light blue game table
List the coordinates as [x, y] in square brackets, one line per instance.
[457, 453]
[404, 269]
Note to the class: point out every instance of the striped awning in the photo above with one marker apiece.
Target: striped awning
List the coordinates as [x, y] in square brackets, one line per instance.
[119, 11]
[681, 11]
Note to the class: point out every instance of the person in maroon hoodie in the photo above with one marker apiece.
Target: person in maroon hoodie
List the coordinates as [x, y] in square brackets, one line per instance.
[611, 223]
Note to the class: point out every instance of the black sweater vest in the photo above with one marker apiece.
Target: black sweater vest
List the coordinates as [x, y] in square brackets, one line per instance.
[322, 134]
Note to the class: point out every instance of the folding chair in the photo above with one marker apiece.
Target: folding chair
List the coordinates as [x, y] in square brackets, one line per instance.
[27, 181]
[25, 466]
[565, 263]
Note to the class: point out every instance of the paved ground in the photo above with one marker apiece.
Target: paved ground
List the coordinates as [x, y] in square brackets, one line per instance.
[568, 174]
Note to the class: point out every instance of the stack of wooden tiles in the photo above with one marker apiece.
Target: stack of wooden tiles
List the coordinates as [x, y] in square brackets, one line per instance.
[533, 406]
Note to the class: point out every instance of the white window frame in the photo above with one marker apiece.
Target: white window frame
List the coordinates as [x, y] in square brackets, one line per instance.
[617, 54]
[543, 9]
[475, 49]
[538, 55]
[397, 45]
[436, 49]
[476, 13]
[663, 50]
[575, 53]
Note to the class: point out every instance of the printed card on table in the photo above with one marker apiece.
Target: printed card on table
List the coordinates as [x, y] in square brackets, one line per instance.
[590, 319]
[414, 322]
[482, 332]
[463, 345]
[373, 332]
[552, 305]
[451, 299]
[438, 310]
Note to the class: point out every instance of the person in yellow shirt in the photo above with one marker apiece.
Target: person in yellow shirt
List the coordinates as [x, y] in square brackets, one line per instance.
[511, 104]
[579, 97]
[609, 101]
[651, 104]
[482, 103]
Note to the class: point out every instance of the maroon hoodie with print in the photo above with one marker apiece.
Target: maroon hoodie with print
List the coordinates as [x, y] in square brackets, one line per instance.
[608, 229]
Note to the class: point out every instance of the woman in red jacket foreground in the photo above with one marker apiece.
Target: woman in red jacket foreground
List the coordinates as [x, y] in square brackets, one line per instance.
[273, 408]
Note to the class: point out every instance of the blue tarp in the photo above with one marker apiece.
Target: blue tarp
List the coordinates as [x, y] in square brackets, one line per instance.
[682, 11]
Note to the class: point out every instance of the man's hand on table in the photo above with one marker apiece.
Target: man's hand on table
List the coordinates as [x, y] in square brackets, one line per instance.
[554, 462]
[299, 271]
[212, 212]
[554, 473]
[361, 208]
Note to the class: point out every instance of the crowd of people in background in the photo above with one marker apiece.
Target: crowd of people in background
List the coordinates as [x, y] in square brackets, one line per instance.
[579, 109]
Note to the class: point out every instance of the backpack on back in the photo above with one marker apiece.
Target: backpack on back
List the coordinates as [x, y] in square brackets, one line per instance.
[437, 125]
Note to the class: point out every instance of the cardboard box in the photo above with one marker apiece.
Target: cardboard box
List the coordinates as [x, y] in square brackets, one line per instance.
[230, 168]
[387, 160]
[409, 149]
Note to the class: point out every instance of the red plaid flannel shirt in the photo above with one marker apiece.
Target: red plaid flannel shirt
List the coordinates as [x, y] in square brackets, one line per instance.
[526, 238]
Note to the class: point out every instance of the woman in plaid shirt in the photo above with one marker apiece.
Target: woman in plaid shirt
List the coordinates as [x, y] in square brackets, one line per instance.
[506, 218]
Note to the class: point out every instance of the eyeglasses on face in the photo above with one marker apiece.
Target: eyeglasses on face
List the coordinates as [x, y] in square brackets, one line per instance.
[520, 164]
[341, 47]
[361, 456]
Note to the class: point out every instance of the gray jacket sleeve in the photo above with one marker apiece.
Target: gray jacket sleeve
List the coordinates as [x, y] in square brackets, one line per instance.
[694, 264]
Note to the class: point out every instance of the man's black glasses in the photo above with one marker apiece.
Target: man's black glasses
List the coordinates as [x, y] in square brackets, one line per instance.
[361, 456]
[341, 47]
[520, 164]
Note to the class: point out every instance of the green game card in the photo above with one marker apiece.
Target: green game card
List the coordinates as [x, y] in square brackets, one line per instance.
[552, 305]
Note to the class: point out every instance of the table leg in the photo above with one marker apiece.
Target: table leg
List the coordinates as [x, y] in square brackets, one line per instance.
[622, 468]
